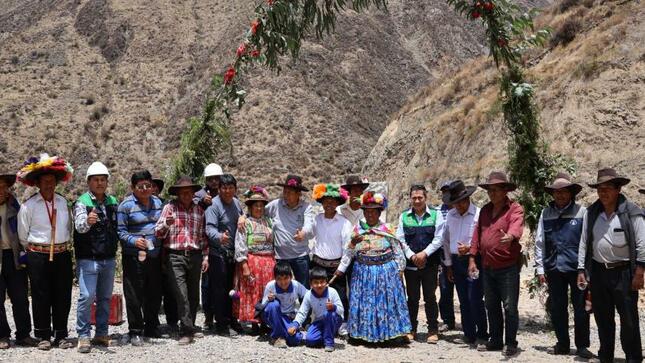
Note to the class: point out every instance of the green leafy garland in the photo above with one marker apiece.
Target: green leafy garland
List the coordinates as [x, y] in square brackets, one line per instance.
[279, 27]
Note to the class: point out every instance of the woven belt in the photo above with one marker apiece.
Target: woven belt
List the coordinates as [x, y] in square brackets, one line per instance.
[375, 259]
[325, 263]
[43, 248]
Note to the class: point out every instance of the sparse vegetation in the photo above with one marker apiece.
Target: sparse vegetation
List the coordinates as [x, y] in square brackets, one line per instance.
[566, 32]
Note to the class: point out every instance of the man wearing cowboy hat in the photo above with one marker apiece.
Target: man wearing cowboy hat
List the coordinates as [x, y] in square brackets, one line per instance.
[446, 287]
[496, 240]
[293, 221]
[416, 229]
[95, 245]
[13, 272]
[456, 237]
[612, 255]
[45, 228]
[332, 232]
[181, 227]
[556, 259]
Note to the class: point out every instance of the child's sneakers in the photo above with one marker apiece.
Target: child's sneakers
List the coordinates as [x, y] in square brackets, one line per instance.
[280, 343]
[342, 331]
[329, 349]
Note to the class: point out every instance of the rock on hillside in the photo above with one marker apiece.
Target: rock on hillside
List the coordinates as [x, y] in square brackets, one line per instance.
[115, 80]
[590, 86]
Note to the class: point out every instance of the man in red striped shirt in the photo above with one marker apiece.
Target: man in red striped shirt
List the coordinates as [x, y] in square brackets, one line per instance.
[496, 239]
[182, 228]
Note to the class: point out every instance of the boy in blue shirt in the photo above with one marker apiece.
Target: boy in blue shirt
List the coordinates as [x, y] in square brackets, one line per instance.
[279, 301]
[326, 313]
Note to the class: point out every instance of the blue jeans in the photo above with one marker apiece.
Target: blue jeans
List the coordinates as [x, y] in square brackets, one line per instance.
[300, 267]
[95, 279]
[502, 289]
[471, 300]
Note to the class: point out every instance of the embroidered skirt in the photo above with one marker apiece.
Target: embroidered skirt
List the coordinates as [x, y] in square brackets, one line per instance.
[378, 310]
[251, 291]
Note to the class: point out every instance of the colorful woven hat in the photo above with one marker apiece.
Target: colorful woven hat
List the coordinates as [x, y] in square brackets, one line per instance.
[45, 164]
[256, 193]
[373, 200]
[330, 190]
[293, 181]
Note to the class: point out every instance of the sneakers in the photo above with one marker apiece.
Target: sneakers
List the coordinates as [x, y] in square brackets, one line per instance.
[27, 342]
[433, 338]
[329, 348]
[185, 340]
[280, 343]
[584, 353]
[103, 341]
[44, 345]
[342, 331]
[136, 341]
[84, 345]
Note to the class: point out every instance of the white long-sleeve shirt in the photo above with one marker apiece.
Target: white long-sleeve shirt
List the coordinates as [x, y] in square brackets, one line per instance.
[458, 228]
[34, 225]
[331, 236]
[318, 305]
[432, 246]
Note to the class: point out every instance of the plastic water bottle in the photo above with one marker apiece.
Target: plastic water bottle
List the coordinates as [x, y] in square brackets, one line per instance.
[474, 275]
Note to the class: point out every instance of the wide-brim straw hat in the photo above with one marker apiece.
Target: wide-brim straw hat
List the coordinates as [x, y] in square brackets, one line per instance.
[35, 167]
[293, 181]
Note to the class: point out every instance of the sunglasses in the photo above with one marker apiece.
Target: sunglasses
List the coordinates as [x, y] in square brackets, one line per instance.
[142, 187]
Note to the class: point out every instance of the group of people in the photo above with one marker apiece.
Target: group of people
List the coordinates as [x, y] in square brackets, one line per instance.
[305, 277]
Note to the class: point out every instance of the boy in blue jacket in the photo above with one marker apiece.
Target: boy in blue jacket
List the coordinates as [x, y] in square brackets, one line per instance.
[279, 301]
[326, 313]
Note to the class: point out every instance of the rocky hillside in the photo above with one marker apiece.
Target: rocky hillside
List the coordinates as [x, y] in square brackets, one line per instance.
[115, 80]
[591, 87]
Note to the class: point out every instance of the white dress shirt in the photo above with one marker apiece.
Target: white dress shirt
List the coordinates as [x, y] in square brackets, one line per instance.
[331, 236]
[458, 228]
[433, 246]
[34, 225]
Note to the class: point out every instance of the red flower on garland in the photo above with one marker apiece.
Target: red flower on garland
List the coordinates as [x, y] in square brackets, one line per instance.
[270, 2]
[502, 42]
[255, 53]
[241, 50]
[229, 75]
[475, 14]
[255, 24]
[489, 6]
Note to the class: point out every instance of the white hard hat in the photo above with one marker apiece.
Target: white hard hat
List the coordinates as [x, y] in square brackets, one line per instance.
[213, 170]
[97, 168]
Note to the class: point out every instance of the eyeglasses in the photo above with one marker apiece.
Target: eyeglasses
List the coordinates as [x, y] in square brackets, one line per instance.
[142, 187]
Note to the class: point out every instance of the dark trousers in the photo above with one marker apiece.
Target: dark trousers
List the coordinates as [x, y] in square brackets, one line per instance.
[471, 299]
[340, 284]
[611, 291]
[142, 290]
[168, 298]
[206, 306]
[502, 289]
[300, 267]
[558, 284]
[425, 278]
[446, 298]
[183, 278]
[14, 283]
[220, 281]
[51, 293]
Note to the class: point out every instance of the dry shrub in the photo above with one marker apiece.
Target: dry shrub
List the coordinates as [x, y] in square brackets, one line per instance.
[566, 32]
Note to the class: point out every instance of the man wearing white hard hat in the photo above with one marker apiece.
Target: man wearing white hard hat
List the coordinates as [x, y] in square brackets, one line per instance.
[204, 198]
[95, 245]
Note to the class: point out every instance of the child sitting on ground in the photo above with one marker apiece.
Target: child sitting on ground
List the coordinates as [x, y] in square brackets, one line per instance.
[279, 301]
[326, 313]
